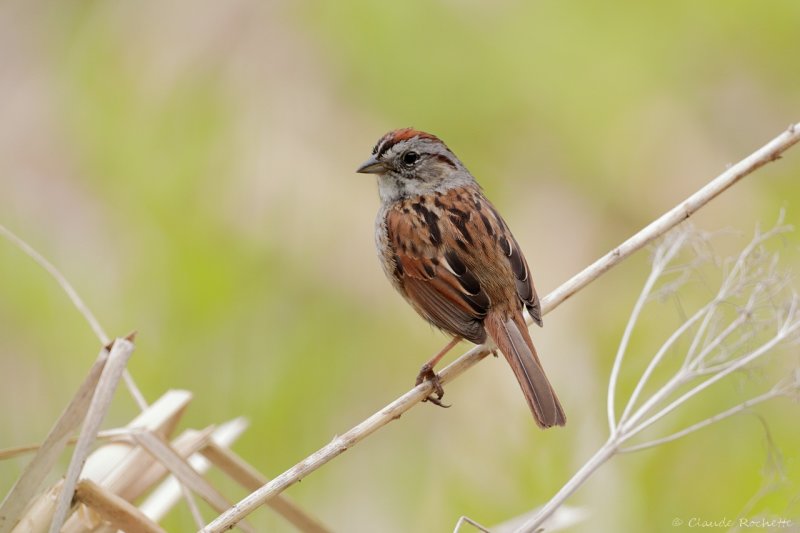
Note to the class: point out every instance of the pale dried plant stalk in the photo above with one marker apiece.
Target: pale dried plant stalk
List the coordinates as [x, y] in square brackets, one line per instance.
[118, 512]
[161, 499]
[752, 314]
[118, 357]
[35, 472]
[106, 435]
[138, 457]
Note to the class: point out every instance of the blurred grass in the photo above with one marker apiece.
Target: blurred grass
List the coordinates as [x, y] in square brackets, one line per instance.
[190, 169]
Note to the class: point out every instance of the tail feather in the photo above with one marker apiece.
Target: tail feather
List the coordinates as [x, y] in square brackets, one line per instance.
[517, 347]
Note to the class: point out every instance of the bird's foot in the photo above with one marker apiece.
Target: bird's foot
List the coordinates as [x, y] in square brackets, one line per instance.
[426, 373]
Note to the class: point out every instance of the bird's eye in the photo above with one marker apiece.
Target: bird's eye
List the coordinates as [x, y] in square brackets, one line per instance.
[410, 158]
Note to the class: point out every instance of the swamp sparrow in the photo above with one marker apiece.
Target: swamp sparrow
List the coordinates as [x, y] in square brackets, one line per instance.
[445, 248]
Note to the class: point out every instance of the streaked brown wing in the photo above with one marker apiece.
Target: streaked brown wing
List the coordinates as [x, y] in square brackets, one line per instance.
[433, 279]
[519, 266]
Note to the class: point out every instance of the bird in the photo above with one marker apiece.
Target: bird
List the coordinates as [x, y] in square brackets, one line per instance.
[449, 253]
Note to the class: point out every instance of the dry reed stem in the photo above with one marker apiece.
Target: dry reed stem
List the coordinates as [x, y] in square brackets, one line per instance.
[216, 452]
[121, 351]
[250, 478]
[115, 510]
[107, 435]
[127, 471]
[112, 463]
[117, 466]
[29, 482]
[166, 495]
[766, 154]
[40, 512]
[124, 469]
[185, 473]
[150, 470]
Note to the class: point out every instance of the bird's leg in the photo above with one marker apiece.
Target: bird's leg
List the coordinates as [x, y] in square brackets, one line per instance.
[427, 373]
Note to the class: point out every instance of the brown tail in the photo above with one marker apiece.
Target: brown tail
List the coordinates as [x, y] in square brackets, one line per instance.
[516, 344]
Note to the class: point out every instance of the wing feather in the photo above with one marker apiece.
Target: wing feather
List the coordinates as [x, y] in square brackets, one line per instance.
[519, 266]
[433, 279]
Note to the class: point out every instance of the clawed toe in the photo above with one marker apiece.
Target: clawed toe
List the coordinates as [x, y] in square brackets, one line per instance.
[426, 373]
[436, 401]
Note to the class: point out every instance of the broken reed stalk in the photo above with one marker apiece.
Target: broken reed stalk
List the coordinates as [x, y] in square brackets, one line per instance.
[766, 154]
[35, 472]
[117, 511]
[117, 360]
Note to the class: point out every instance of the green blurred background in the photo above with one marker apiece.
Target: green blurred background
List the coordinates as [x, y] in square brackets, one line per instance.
[189, 167]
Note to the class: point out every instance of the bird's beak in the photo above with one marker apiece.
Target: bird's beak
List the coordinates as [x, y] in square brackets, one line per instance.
[371, 166]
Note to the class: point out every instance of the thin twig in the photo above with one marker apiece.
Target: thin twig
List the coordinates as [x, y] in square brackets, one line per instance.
[191, 503]
[73, 295]
[659, 264]
[764, 348]
[736, 409]
[657, 360]
[707, 312]
[79, 304]
[769, 152]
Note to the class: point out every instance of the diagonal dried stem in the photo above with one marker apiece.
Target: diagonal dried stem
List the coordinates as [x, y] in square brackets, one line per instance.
[36, 471]
[62, 281]
[101, 400]
[119, 512]
[77, 301]
[181, 469]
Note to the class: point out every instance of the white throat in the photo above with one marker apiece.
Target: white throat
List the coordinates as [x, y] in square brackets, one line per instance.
[392, 187]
